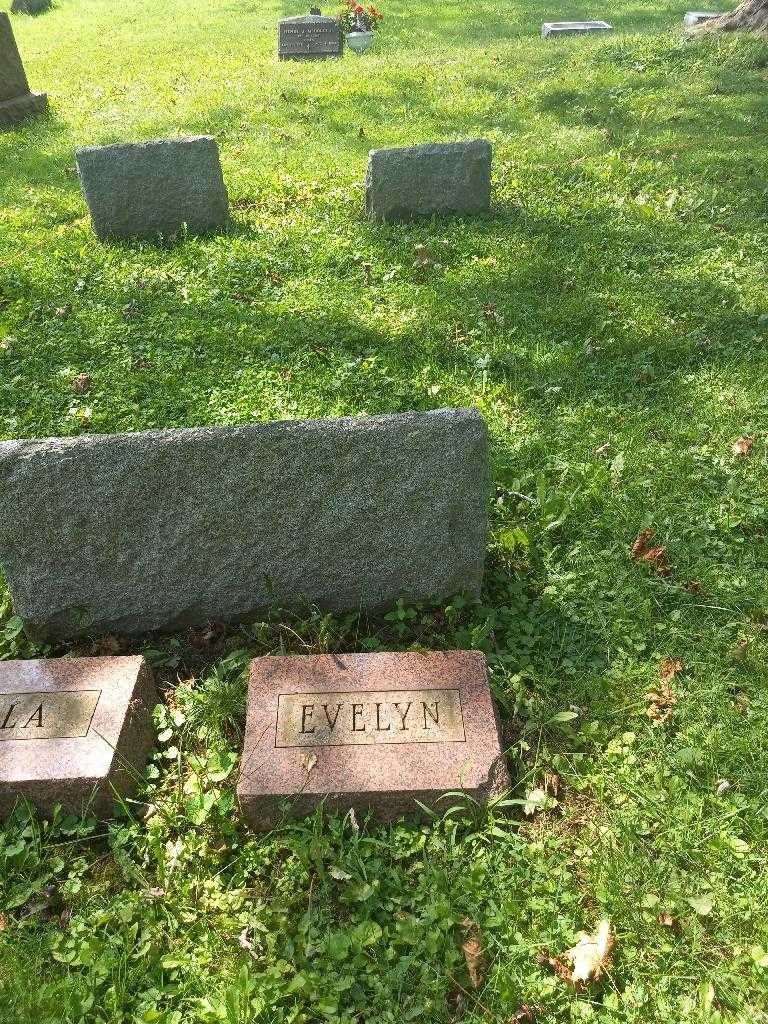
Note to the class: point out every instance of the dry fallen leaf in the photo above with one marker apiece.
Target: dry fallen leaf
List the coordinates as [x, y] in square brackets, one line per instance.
[558, 965]
[591, 956]
[81, 384]
[3, 922]
[551, 784]
[657, 558]
[669, 668]
[525, 1015]
[642, 541]
[661, 703]
[473, 951]
[743, 446]
[666, 920]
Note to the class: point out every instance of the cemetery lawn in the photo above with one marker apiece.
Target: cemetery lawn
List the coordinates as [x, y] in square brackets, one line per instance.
[610, 321]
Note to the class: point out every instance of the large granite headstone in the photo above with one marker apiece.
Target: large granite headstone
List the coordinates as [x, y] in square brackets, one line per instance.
[310, 37]
[368, 731]
[73, 732]
[437, 179]
[16, 101]
[570, 28]
[158, 530]
[154, 190]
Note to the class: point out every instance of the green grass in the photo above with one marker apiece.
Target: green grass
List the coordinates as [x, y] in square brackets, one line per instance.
[610, 320]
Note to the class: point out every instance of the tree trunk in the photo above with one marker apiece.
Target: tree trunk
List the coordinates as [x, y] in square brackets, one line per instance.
[748, 16]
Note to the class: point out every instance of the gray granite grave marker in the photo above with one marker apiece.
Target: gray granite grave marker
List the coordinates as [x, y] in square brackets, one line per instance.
[154, 190]
[369, 732]
[310, 37]
[436, 179]
[30, 6]
[158, 530]
[569, 28]
[73, 731]
[16, 101]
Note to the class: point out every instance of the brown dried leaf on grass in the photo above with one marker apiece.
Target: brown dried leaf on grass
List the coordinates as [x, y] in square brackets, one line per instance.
[743, 446]
[525, 1015]
[663, 700]
[473, 951]
[666, 920]
[551, 784]
[655, 556]
[641, 543]
[669, 668]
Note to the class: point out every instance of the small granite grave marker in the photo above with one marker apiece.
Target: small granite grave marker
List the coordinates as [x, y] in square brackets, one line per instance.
[567, 28]
[137, 532]
[422, 181]
[16, 101]
[310, 37]
[153, 190]
[694, 18]
[73, 731]
[368, 731]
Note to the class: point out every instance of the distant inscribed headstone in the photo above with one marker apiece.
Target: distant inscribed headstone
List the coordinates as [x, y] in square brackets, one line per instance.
[310, 37]
[73, 732]
[16, 101]
[372, 732]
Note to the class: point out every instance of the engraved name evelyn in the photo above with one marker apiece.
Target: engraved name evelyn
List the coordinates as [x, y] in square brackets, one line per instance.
[47, 716]
[369, 716]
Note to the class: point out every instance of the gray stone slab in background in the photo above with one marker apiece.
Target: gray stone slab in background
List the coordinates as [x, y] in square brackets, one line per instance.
[568, 28]
[73, 732]
[152, 190]
[30, 6]
[159, 530]
[449, 178]
[16, 101]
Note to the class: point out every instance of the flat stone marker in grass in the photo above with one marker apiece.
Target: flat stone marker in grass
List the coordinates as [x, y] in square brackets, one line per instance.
[73, 731]
[694, 18]
[569, 28]
[154, 190]
[16, 101]
[442, 179]
[155, 531]
[368, 731]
